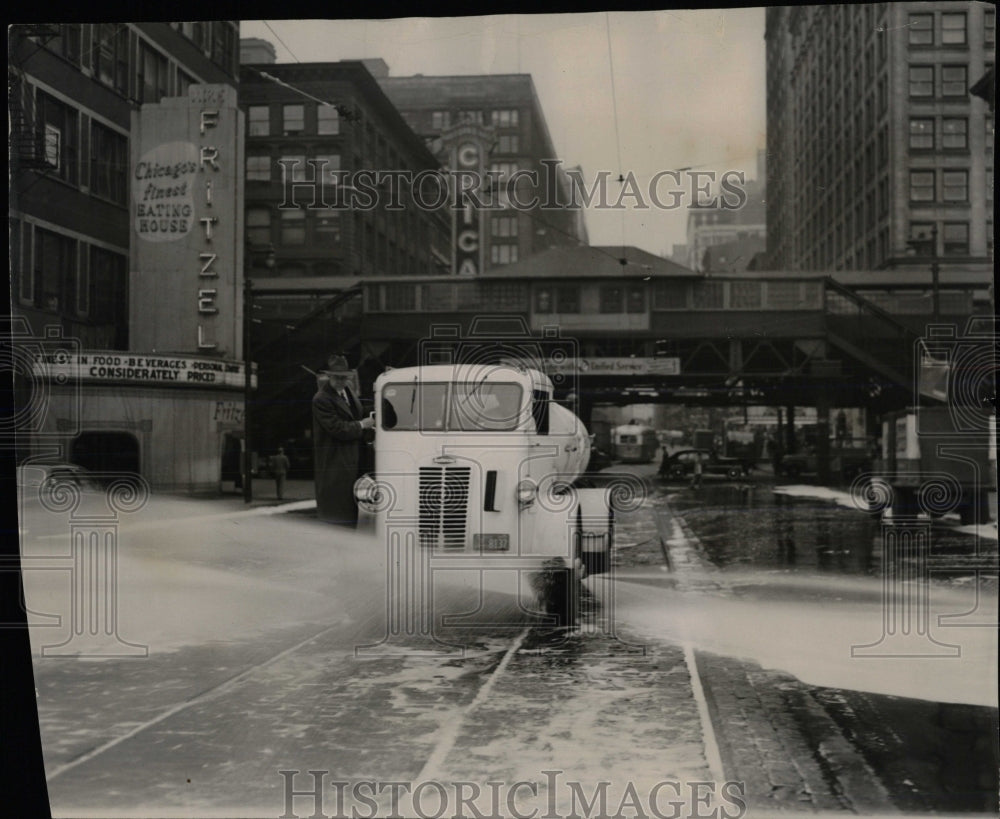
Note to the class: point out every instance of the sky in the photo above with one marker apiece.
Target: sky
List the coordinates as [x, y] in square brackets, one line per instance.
[638, 92]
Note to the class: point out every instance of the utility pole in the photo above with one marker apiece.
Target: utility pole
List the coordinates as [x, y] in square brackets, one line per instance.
[247, 388]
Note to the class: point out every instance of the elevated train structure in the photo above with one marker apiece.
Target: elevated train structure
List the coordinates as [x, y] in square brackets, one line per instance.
[640, 329]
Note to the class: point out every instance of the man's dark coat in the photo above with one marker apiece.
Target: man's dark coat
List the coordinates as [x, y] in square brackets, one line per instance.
[337, 441]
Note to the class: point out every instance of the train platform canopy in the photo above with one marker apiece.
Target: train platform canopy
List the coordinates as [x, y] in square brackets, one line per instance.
[594, 262]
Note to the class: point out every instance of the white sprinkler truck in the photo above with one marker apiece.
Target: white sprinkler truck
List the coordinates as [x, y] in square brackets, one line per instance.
[476, 466]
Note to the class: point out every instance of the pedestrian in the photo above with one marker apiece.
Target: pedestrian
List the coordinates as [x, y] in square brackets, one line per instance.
[696, 472]
[279, 469]
[338, 432]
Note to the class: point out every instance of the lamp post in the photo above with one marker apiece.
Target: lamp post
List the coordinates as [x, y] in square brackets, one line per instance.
[915, 245]
[248, 371]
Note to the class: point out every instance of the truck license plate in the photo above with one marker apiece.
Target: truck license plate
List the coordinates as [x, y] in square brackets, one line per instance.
[491, 543]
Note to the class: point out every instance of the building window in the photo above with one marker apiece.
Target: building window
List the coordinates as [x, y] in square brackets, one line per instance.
[956, 239]
[400, 297]
[67, 42]
[471, 116]
[293, 227]
[258, 227]
[506, 118]
[922, 238]
[746, 295]
[327, 166]
[258, 120]
[293, 119]
[503, 170]
[327, 227]
[954, 81]
[635, 301]
[953, 28]
[109, 290]
[54, 271]
[989, 27]
[921, 81]
[708, 295]
[955, 186]
[504, 226]
[921, 29]
[110, 56]
[327, 120]
[440, 120]
[543, 301]
[670, 296]
[954, 133]
[568, 299]
[989, 184]
[108, 164]
[184, 82]
[293, 168]
[921, 133]
[508, 144]
[58, 133]
[152, 74]
[503, 254]
[612, 299]
[258, 168]
[921, 186]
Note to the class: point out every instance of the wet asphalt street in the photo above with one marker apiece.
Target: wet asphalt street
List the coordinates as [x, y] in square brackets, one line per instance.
[267, 650]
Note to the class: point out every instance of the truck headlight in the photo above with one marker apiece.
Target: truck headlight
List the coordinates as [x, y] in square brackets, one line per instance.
[367, 491]
[527, 490]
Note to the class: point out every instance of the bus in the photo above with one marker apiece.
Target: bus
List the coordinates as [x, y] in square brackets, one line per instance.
[635, 443]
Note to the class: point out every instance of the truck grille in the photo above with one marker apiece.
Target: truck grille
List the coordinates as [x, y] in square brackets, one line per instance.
[444, 501]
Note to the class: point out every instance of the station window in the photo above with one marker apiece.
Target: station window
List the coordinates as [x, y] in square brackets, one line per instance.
[568, 299]
[612, 299]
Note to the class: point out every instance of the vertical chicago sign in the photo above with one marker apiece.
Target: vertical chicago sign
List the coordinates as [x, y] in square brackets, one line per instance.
[187, 257]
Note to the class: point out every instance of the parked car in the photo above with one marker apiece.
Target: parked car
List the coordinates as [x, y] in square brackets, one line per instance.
[681, 464]
[845, 461]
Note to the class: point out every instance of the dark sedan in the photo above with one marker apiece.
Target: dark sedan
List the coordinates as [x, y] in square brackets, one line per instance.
[680, 464]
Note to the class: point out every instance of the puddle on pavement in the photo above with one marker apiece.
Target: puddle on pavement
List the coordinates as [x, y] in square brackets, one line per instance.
[750, 526]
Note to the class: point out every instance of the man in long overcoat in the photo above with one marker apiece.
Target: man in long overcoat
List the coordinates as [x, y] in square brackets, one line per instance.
[338, 430]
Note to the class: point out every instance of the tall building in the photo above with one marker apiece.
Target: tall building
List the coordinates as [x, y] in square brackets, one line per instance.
[72, 91]
[743, 228]
[508, 105]
[126, 310]
[879, 156]
[309, 127]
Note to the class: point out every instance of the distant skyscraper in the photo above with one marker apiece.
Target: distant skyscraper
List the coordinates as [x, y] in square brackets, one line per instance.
[878, 156]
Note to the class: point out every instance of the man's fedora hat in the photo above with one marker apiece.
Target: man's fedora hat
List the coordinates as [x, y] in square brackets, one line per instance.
[337, 365]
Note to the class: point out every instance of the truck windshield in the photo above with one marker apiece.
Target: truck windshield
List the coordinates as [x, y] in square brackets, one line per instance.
[442, 406]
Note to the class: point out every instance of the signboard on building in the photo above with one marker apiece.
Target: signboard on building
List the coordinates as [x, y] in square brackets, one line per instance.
[139, 369]
[614, 366]
[187, 224]
[467, 146]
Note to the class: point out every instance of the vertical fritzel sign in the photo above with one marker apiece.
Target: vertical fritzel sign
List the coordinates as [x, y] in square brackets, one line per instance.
[187, 224]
